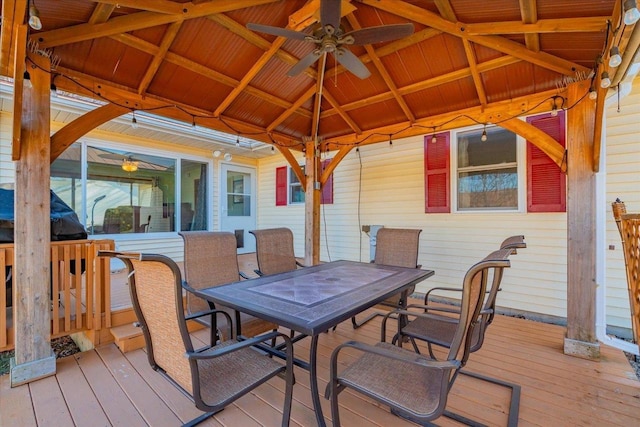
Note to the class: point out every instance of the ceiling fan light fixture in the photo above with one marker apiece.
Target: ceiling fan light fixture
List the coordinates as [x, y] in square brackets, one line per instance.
[129, 165]
[631, 13]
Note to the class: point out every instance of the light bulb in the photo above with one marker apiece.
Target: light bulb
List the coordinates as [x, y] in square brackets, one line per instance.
[483, 138]
[26, 80]
[631, 14]
[34, 18]
[614, 57]
[554, 111]
[593, 95]
[217, 153]
[237, 141]
[605, 81]
[54, 90]
[273, 150]
[134, 122]
[434, 139]
[228, 157]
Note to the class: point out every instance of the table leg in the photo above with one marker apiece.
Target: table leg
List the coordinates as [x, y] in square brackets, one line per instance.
[313, 380]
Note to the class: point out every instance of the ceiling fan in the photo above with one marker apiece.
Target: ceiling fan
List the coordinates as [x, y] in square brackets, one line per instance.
[329, 37]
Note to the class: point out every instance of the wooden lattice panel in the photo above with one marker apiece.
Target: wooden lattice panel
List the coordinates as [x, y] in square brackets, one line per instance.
[630, 232]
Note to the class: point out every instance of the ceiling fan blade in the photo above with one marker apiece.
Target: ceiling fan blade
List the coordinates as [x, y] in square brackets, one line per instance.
[305, 62]
[351, 62]
[382, 33]
[330, 14]
[276, 31]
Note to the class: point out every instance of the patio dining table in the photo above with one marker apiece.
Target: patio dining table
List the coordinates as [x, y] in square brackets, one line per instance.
[312, 300]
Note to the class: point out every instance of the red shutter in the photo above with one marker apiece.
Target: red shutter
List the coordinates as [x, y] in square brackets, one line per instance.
[327, 189]
[436, 174]
[281, 186]
[546, 184]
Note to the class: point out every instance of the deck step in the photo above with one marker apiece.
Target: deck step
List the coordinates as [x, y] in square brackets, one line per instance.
[128, 337]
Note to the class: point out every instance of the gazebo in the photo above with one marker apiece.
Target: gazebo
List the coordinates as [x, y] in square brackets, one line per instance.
[315, 76]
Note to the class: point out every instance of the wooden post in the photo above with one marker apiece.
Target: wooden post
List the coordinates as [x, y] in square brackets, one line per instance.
[581, 338]
[312, 205]
[34, 358]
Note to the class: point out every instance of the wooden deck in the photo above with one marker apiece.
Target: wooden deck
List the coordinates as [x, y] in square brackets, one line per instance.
[107, 387]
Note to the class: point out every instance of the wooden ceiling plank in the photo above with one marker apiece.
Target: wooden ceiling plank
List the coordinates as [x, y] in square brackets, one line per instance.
[529, 14]
[12, 15]
[161, 6]
[307, 11]
[135, 21]
[166, 43]
[414, 13]
[563, 25]
[253, 38]
[193, 66]
[338, 109]
[477, 79]
[289, 111]
[101, 13]
[383, 72]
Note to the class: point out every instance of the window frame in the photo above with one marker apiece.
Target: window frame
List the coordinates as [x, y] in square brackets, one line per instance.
[521, 159]
[291, 174]
[143, 150]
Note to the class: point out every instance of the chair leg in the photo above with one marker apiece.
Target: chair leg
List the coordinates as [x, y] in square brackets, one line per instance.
[199, 419]
[514, 404]
[357, 324]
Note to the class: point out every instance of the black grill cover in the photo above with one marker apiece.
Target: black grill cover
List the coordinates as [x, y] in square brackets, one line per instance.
[65, 224]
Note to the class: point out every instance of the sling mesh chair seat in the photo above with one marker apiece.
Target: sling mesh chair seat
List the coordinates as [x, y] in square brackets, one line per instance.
[214, 375]
[274, 251]
[397, 247]
[210, 259]
[412, 385]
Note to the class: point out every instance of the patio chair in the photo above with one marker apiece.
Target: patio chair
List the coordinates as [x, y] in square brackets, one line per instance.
[210, 259]
[397, 247]
[439, 324]
[212, 376]
[274, 251]
[414, 386]
[439, 329]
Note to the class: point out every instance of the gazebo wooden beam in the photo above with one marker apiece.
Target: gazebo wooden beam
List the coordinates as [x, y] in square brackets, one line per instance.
[529, 13]
[13, 13]
[540, 139]
[34, 358]
[71, 132]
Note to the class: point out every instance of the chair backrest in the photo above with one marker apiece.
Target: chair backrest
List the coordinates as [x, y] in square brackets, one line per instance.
[274, 250]
[155, 285]
[397, 247]
[210, 259]
[473, 295]
[513, 242]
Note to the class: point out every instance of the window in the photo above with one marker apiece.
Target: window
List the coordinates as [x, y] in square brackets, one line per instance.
[289, 189]
[296, 192]
[487, 171]
[129, 192]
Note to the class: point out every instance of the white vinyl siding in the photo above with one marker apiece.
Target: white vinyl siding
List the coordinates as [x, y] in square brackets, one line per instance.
[623, 181]
[393, 195]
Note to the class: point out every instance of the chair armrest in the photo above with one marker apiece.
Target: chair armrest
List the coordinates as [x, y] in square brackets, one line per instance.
[258, 272]
[299, 264]
[243, 275]
[439, 288]
[399, 312]
[214, 352]
[214, 324]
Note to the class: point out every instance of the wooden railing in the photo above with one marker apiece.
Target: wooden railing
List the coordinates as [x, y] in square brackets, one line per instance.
[80, 288]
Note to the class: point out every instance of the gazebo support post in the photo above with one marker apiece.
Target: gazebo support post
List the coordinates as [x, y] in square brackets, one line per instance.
[34, 358]
[581, 340]
[312, 204]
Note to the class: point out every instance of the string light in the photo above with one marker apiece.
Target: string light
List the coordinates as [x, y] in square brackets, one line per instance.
[614, 57]
[238, 141]
[390, 141]
[134, 122]
[34, 18]
[193, 121]
[605, 81]
[54, 90]
[273, 150]
[483, 138]
[631, 14]
[593, 95]
[27, 80]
